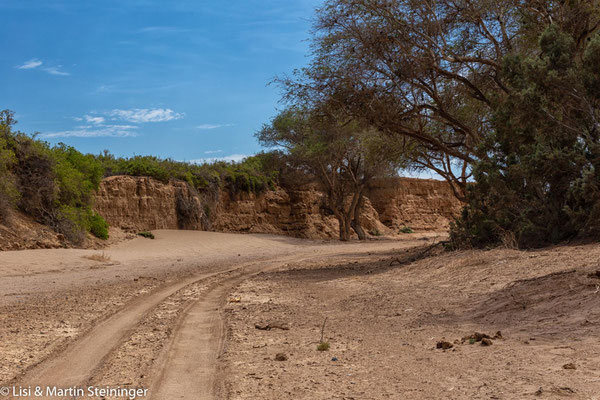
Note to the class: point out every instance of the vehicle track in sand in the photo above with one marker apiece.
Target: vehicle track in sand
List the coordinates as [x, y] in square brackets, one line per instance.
[187, 367]
[77, 363]
[124, 347]
[186, 363]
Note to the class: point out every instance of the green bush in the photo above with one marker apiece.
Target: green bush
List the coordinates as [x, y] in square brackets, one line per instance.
[323, 346]
[406, 229]
[98, 226]
[53, 184]
[147, 235]
[250, 175]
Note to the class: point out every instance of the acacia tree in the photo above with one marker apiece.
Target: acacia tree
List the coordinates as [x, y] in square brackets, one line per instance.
[343, 157]
[428, 70]
[540, 182]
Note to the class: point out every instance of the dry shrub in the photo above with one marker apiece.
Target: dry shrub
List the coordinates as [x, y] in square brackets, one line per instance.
[98, 257]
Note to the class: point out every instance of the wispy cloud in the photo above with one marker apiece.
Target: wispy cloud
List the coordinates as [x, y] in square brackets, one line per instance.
[142, 115]
[34, 63]
[56, 71]
[213, 126]
[229, 158]
[94, 120]
[213, 151]
[91, 131]
[31, 64]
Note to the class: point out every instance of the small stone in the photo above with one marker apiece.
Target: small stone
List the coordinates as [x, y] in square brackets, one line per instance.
[486, 342]
[569, 366]
[444, 345]
[280, 357]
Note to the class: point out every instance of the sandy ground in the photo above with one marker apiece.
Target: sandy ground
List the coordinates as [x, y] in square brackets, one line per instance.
[200, 315]
[117, 317]
[383, 324]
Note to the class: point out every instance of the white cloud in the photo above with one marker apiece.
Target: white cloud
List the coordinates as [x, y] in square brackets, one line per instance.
[229, 158]
[89, 131]
[141, 115]
[34, 63]
[31, 64]
[213, 126]
[213, 151]
[56, 71]
[93, 120]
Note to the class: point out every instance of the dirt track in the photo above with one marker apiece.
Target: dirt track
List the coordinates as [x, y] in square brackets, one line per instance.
[177, 316]
[143, 314]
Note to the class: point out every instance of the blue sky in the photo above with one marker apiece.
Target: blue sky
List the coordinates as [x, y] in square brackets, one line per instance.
[181, 79]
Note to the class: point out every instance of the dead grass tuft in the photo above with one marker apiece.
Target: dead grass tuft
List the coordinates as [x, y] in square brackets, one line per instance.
[98, 257]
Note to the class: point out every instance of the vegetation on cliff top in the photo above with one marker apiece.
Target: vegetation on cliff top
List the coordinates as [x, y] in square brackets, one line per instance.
[56, 184]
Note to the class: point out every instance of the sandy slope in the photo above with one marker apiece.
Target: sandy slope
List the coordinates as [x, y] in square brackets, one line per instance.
[383, 324]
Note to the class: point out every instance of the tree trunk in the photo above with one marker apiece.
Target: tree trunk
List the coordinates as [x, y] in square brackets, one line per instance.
[344, 227]
[356, 213]
[358, 229]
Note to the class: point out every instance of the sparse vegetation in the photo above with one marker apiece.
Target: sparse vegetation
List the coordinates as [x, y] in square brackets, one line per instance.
[147, 235]
[100, 257]
[323, 346]
[406, 229]
[249, 175]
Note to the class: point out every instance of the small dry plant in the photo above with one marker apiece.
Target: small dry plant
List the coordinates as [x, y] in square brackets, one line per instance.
[98, 257]
[323, 345]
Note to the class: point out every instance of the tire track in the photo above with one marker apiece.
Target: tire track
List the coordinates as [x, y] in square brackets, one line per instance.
[77, 363]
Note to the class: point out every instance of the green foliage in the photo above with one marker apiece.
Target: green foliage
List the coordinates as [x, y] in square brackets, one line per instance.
[8, 191]
[53, 184]
[406, 229]
[342, 155]
[538, 181]
[323, 346]
[98, 226]
[249, 175]
[147, 235]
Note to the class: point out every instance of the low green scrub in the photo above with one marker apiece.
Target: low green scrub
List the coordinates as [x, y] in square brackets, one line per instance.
[250, 175]
[53, 184]
[98, 226]
[147, 235]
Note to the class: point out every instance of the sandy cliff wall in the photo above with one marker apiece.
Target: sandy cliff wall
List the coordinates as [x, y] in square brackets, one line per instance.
[140, 203]
[297, 212]
[422, 204]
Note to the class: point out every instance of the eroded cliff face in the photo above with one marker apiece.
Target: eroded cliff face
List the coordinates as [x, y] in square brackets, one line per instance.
[295, 212]
[421, 204]
[141, 203]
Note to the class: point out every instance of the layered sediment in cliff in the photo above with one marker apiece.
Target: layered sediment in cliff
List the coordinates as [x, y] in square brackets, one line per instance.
[141, 203]
[421, 204]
